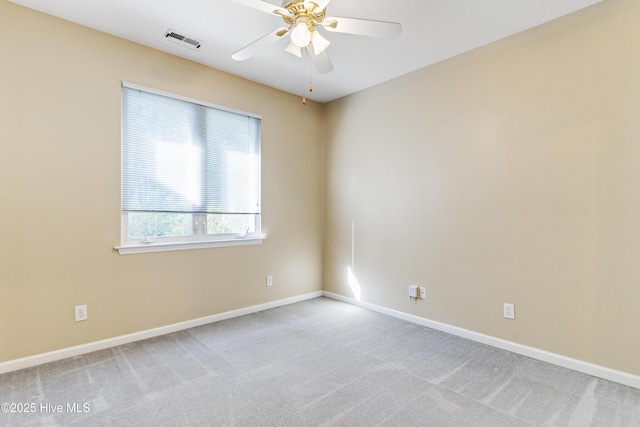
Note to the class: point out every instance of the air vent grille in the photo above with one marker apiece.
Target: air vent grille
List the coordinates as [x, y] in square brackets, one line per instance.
[183, 40]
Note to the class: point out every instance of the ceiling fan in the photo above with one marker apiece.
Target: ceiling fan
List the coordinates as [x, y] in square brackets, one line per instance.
[302, 19]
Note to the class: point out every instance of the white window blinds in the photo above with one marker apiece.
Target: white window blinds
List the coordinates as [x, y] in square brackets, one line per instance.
[185, 157]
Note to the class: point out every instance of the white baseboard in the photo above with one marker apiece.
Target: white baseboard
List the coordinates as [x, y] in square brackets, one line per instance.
[534, 353]
[52, 356]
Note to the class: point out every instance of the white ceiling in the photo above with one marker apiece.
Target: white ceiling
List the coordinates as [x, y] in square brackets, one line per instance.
[433, 30]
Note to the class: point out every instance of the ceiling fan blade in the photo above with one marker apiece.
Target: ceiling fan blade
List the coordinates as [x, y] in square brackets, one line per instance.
[257, 45]
[321, 3]
[263, 6]
[321, 61]
[363, 27]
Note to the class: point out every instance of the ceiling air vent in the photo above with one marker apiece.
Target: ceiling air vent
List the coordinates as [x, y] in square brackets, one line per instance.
[183, 40]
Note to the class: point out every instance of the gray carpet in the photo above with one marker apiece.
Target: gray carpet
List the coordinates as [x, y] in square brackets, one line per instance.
[318, 362]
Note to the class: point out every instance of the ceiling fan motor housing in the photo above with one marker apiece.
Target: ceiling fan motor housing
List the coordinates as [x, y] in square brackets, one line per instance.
[302, 11]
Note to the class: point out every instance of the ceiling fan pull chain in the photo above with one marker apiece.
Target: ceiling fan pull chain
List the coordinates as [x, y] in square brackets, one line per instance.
[303, 55]
[310, 77]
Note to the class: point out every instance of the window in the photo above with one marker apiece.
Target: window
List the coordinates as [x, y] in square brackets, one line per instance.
[190, 173]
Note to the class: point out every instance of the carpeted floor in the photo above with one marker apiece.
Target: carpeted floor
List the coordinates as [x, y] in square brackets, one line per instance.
[318, 362]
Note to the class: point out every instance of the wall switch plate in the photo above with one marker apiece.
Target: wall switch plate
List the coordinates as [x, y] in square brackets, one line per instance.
[423, 292]
[509, 311]
[269, 280]
[81, 312]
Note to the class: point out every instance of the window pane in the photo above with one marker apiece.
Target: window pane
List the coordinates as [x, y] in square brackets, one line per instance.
[154, 224]
[161, 153]
[231, 224]
[233, 160]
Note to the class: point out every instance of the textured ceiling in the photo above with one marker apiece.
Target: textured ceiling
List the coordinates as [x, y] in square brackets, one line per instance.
[433, 30]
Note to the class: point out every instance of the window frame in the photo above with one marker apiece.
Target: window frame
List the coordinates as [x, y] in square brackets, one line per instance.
[199, 238]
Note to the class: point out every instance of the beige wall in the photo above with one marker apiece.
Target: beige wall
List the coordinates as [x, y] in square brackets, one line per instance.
[508, 174]
[60, 192]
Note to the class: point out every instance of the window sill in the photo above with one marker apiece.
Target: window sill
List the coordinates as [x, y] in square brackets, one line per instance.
[166, 247]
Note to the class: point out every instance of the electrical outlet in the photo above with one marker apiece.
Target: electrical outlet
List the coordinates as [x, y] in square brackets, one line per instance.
[423, 292]
[413, 291]
[269, 280]
[81, 312]
[509, 311]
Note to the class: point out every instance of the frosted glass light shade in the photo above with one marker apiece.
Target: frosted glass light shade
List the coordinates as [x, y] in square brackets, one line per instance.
[293, 49]
[319, 43]
[300, 35]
